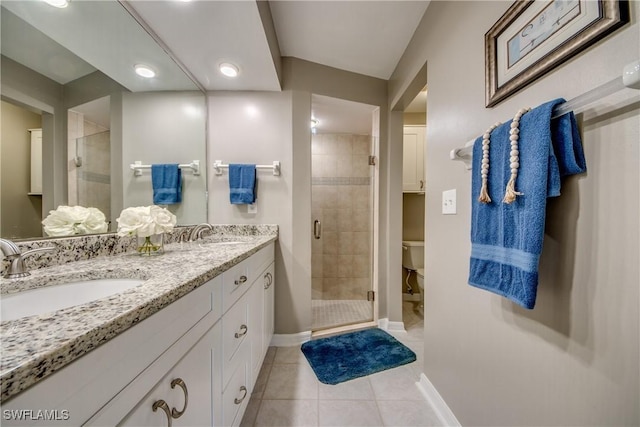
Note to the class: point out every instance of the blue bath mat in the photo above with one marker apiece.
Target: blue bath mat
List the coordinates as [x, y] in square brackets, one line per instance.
[355, 354]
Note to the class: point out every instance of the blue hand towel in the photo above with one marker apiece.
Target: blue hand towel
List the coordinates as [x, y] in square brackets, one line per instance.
[506, 239]
[242, 183]
[167, 184]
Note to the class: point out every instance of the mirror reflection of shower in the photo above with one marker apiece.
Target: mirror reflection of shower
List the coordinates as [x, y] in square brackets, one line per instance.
[89, 156]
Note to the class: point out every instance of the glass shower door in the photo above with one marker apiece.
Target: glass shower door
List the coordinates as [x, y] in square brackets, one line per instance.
[93, 175]
[341, 256]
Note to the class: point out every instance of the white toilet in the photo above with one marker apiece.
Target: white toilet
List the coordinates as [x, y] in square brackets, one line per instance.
[413, 259]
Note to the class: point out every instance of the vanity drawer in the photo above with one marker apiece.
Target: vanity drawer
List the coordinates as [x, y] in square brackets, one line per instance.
[261, 260]
[235, 331]
[236, 282]
[238, 392]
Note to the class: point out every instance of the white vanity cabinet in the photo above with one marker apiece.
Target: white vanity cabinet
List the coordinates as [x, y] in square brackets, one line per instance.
[194, 361]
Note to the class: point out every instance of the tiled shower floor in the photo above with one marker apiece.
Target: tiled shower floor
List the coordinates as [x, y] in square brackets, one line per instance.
[332, 313]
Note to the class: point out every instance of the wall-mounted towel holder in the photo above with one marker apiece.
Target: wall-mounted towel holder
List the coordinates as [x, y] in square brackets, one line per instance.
[137, 167]
[630, 78]
[218, 166]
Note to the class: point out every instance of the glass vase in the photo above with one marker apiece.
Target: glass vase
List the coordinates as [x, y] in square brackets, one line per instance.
[150, 245]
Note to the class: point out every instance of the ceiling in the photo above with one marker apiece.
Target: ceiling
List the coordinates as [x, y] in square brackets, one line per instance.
[366, 37]
[362, 36]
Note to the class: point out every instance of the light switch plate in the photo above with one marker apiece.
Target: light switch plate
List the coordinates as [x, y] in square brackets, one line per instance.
[449, 202]
[252, 208]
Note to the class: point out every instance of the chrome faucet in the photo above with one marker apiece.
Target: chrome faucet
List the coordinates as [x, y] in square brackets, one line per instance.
[12, 253]
[196, 232]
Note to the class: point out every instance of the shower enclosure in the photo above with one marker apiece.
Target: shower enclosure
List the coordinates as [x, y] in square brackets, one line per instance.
[342, 215]
[93, 173]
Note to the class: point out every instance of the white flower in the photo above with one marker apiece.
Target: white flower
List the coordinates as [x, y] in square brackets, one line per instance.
[72, 220]
[145, 221]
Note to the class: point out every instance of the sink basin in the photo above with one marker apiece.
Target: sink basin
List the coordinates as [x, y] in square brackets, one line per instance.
[56, 297]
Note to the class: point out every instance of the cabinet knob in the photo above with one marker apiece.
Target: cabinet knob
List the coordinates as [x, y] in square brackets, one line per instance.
[239, 401]
[243, 331]
[241, 280]
[163, 405]
[178, 382]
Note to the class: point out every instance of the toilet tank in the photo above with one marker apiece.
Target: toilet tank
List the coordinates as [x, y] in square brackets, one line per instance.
[413, 254]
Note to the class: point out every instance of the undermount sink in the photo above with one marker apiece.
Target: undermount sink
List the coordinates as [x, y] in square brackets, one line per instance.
[56, 297]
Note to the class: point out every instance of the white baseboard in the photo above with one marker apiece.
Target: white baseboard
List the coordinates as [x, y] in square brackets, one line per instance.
[290, 340]
[386, 325]
[411, 297]
[444, 413]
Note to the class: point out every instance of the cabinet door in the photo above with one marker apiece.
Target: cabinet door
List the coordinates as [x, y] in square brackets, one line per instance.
[256, 306]
[268, 311]
[193, 394]
[413, 158]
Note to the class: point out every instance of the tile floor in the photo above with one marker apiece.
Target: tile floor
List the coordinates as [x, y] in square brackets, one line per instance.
[288, 393]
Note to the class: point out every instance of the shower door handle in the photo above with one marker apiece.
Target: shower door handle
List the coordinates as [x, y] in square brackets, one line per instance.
[317, 229]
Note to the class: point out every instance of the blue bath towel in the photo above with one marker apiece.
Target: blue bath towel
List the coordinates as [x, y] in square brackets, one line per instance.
[242, 183]
[506, 239]
[167, 184]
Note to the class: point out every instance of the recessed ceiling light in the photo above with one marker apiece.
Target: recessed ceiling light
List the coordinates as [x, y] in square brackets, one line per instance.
[228, 69]
[58, 3]
[144, 71]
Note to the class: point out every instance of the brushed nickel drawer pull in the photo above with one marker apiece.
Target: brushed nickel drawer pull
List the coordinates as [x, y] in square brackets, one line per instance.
[178, 382]
[268, 280]
[163, 405]
[239, 401]
[241, 280]
[243, 331]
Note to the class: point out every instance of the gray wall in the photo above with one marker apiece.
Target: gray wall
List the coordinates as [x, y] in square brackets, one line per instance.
[256, 127]
[21, 213]
[574, 359]
[23, 86]
[162, 127]
[280, 131]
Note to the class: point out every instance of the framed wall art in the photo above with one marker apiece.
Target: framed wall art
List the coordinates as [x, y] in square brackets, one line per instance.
[535, 36]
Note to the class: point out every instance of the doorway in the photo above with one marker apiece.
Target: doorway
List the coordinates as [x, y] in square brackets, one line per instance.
[413, 208]
[342, 208]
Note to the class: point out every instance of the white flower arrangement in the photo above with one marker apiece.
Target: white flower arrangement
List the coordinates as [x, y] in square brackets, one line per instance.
[145, 221]
[73, 220]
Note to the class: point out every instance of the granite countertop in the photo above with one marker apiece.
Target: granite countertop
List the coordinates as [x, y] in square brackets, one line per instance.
[36, 346]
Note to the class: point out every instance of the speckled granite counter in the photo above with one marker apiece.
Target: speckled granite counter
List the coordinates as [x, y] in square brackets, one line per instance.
[36, 346]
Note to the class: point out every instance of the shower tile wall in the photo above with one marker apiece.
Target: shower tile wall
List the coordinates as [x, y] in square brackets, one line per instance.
[341, 201]
[89, 185]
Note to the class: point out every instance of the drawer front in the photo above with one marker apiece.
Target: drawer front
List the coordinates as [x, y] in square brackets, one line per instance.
[235, 330]
[237, 394]
[236, 282]
[261, 260]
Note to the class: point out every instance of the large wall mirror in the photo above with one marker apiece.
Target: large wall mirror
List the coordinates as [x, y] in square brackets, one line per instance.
[76, 116]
